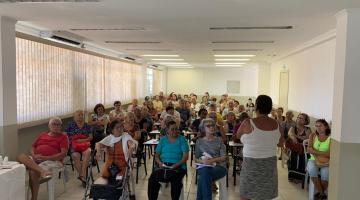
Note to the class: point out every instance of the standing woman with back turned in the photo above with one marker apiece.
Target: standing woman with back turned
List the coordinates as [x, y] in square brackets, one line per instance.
[260, 136]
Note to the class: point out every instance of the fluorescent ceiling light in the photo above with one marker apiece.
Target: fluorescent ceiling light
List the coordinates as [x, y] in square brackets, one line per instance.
[168, 59]
[232, 59]
[181, 67]
[234, 55]
[160, 55]
[229, 63]
[173, 63]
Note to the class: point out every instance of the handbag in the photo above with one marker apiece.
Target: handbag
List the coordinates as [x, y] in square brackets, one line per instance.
[79, 147]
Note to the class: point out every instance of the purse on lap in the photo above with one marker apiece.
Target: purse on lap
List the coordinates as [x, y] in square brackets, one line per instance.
[79, 147]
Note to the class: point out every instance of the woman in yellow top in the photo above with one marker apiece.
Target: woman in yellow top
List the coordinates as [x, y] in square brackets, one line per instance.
[318, 164]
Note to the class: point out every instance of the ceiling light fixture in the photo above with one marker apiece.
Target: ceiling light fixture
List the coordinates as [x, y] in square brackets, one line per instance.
[181, 67]
[232, 59]
[229, 63]
[168, 59]
[149, 55]
[234, 55]
[174, 63]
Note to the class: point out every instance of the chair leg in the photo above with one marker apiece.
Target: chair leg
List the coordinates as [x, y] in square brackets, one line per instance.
[137, 168]
[72, 163]
[51, 189]
[144, 157]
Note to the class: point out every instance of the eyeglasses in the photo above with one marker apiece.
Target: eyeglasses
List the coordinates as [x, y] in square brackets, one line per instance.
[56, 124]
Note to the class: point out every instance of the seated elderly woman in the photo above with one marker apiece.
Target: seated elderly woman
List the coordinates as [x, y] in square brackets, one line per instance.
[230, 122]
[131, 127]
[318, 164]
[79, 134]
[294, 143]
[119, 148]
[171, 155]
[209, 150]
[219, 128]
[47, 152]
[196, 123]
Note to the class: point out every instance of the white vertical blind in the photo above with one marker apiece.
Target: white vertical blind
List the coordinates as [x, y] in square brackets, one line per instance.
[158, 85]
[53, 81]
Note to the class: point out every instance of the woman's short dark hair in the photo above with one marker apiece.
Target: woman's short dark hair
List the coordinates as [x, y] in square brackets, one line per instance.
[326, 124]
[170, 123]
[169, 108]
[117, 102]
[113, 124]
[98, 106]
[306, 118]
[243, 116]
[263, 104]
[201, 111]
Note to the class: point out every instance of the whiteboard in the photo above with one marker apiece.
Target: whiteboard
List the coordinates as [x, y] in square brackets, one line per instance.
[233, 86]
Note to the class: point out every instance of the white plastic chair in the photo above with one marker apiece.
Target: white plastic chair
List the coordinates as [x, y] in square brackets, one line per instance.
[62, 171]
[222, 188]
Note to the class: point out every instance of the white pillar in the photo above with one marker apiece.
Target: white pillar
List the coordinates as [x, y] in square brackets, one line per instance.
[345, 148]
[8, 113]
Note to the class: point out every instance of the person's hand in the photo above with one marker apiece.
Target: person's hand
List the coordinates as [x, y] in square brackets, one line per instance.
[206, 162]
[174, 166]
[98, 155]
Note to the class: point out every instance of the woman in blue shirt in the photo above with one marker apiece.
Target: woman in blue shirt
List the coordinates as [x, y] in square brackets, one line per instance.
[171, 155]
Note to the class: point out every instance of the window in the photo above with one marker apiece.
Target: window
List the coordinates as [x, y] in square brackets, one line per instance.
[54, 81]
[149, 78]
[158, 85]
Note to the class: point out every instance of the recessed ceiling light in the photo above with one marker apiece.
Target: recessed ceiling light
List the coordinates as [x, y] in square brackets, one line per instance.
[160, 55]
[234, 55]
[232, 59]
[229, 63]
[167, 59]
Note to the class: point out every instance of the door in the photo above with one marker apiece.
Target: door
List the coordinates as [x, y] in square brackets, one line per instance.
[284, 89]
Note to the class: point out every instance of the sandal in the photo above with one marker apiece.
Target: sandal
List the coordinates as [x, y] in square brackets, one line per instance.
[83, 182]
[45, 179]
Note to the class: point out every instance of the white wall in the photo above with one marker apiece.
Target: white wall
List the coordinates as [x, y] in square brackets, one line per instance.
[311, 78]
[213, 80]
[264, 76]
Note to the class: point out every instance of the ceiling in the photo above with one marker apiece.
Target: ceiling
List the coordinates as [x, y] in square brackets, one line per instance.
[182, 27]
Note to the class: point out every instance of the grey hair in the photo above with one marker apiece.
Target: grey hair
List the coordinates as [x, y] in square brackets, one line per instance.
[54, 119]
[203, 123]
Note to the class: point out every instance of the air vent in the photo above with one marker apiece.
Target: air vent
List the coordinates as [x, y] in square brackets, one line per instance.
[148, 49]
[129, 58]
[244, 42]
[48, 1]
[250, 28]
[109, 29]
[62, 39]
[237, 49]
[134, 42]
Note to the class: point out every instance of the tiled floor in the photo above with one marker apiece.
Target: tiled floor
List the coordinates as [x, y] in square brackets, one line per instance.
[74, 191]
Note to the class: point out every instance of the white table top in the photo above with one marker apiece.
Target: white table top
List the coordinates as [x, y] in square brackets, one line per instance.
[155, 132]
[190, 133]
[152, 142]
[12, 182]
[233, 144]
[229, 134]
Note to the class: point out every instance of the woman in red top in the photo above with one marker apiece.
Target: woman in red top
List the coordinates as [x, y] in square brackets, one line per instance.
[48, 151]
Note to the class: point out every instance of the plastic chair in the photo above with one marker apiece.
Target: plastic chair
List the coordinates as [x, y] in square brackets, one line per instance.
[62, 171]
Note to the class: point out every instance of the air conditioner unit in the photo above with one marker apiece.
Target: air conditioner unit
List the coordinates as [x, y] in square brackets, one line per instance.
[64, 37]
